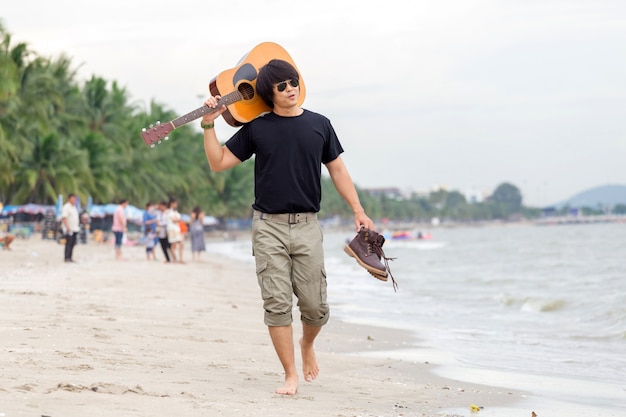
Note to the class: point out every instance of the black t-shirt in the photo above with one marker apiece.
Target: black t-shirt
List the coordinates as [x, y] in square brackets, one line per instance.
[289, 153]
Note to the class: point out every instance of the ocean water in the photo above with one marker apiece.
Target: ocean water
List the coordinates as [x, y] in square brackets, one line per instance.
[538, 308]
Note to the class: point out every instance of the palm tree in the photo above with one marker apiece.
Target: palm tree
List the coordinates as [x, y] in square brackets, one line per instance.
[67, 138]
[54, 167]
[10, 58]
[100, 160]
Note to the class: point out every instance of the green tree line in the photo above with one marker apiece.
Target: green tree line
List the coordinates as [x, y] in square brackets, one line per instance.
[61, 136]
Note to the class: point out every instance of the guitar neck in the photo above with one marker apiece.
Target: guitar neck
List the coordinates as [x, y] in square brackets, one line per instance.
[155, 134]
[226, 100]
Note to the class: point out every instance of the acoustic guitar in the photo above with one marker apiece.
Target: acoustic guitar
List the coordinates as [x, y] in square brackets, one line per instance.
[237, 88]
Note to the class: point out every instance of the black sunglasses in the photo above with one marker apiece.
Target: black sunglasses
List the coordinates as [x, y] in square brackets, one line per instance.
[282, 86]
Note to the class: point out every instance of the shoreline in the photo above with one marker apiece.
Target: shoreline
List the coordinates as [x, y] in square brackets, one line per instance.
[553, 394]
[189, 339]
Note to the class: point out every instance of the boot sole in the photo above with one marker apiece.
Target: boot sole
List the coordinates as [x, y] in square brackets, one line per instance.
[376, 273]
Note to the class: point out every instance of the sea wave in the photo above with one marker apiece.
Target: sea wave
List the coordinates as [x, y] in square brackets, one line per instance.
[538, 305]
[531, 304]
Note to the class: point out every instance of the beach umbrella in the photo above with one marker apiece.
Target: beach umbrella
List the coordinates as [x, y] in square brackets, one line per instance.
[10, 209]
[34, 208]
[102, 210]
[96, 211]
[110, 208]
[134, 214]
[210, 221]
[59, 205]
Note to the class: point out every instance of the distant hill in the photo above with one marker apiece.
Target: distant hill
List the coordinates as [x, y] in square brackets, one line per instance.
[606, 195]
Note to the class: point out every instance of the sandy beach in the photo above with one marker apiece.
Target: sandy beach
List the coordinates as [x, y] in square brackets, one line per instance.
[139, 338]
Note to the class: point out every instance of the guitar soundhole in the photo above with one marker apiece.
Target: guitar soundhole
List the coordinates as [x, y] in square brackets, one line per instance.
[246, 90]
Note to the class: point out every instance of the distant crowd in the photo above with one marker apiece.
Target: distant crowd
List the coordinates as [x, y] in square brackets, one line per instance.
[162, 226]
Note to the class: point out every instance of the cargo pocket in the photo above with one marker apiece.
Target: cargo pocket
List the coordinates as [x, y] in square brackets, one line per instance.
[264, 278]
[323, 290]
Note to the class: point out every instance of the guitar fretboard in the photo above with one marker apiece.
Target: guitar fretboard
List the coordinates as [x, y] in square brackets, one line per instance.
[226, 100]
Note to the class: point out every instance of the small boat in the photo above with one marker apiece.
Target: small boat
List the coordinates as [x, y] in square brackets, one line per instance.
[407, 235]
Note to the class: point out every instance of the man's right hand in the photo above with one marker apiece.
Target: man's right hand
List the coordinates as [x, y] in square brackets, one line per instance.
[212, 103]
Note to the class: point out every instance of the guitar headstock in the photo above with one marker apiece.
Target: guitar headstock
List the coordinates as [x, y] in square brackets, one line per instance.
[156, 133]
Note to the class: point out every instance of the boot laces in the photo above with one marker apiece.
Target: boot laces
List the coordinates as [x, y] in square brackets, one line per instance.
[377, 247]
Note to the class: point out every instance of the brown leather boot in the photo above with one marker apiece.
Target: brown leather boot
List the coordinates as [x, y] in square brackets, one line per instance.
[367, 249]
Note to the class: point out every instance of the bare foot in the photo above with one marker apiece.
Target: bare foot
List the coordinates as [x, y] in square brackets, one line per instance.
[309, 362]
[290, 387]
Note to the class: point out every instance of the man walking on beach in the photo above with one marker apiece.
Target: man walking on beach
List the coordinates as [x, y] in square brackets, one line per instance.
[71, 226]
[290, 144]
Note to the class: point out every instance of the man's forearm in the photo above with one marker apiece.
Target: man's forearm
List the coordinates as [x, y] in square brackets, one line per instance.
[213, 149]
[347, 191]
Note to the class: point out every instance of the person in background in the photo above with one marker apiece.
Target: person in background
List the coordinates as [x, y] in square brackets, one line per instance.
[151, 242]
[70, 225]
[150, 230]
[162, 230]
[6, 240]
[174, 235]
[197, 233]
[119, 227]
[184, 229]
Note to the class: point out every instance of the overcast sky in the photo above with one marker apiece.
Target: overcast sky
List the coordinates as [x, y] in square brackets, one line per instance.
[464, 94]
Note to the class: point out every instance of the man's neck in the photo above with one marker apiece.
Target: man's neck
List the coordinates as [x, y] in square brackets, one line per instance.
[288, 111]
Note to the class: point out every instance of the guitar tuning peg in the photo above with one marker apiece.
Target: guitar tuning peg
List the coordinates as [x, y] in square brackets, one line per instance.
[151, 126]
[159, 142]
[158, 122]
[166, 138]
[143, 130]
[153, 145]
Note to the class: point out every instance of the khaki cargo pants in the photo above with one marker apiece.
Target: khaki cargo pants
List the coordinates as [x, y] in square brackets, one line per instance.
[289, 255]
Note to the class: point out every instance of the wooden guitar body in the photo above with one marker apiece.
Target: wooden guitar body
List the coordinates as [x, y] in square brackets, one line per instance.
[244, 75]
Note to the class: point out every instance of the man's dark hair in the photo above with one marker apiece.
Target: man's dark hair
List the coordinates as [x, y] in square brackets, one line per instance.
[70, 195]
[271, 73]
